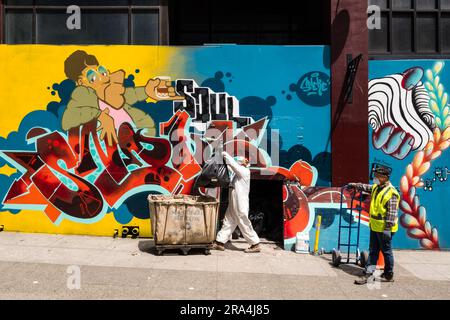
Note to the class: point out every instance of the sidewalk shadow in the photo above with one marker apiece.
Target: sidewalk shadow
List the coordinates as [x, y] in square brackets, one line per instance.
[230, 246]
[349, 268]
[148, 246]
[263, 242]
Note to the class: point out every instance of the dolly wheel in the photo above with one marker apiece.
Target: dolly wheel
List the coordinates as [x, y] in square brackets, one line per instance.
[336, 257]
[159, 252]
[364, 259]
[185, 251]
[207, 252]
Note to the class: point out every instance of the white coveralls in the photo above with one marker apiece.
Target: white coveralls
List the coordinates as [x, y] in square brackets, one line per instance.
[238, 205]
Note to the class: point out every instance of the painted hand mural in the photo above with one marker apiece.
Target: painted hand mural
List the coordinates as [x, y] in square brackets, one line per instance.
[399, 113]
[410, 112]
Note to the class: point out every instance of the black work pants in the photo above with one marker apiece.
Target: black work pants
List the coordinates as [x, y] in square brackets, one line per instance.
[377, 244]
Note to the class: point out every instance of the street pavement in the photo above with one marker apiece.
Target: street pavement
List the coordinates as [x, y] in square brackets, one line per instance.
[43, 266]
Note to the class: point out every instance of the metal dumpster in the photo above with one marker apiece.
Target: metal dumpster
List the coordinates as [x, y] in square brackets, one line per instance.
[183, 222]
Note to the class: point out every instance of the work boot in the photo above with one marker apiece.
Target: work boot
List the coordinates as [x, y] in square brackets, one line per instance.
[253, 248]
[218, 246]
[387, 277]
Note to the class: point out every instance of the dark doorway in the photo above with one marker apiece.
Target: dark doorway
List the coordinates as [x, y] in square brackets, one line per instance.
[266, 209]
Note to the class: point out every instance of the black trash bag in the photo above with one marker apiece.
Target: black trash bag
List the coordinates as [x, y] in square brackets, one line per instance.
[257, 220]
[214, 173]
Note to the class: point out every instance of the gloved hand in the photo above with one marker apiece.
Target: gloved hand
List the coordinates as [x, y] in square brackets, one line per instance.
[387, 236]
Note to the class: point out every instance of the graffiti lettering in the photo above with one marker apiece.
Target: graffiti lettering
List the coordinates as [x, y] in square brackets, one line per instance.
[313, 85]
[428, 186]
[204, 105]
[440, 174]
[57, 175]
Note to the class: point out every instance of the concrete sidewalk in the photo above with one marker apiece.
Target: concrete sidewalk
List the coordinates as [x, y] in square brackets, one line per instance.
[36, 266]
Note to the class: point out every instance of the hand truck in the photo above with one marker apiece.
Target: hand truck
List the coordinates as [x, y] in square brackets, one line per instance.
[345, 245]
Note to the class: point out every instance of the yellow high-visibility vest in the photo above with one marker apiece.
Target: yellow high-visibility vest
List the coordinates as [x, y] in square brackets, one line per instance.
[378, 209]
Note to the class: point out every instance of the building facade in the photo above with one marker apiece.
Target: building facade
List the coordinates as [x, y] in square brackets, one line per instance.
[317, 93]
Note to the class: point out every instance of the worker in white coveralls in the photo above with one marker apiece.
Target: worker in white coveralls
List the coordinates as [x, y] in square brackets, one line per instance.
[238, 205]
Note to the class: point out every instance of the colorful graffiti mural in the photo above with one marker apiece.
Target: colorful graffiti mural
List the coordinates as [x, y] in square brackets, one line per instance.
[409, 132]
[97, 153]
[409, 121]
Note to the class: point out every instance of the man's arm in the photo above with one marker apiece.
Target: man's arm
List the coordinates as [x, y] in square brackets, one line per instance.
[82, 108]
[362, 187]
[236, 167]
[133, 95]
[141, 120]
[391, 214]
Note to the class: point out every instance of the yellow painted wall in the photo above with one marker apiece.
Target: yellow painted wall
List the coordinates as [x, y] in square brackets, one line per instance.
[37, 221]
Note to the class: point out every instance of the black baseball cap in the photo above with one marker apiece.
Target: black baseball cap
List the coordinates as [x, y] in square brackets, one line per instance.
[383, 171]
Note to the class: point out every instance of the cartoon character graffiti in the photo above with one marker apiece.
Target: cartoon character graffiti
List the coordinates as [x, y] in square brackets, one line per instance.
[101, 95]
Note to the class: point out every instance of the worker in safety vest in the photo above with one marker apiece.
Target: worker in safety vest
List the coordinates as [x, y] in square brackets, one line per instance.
[383, 222]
